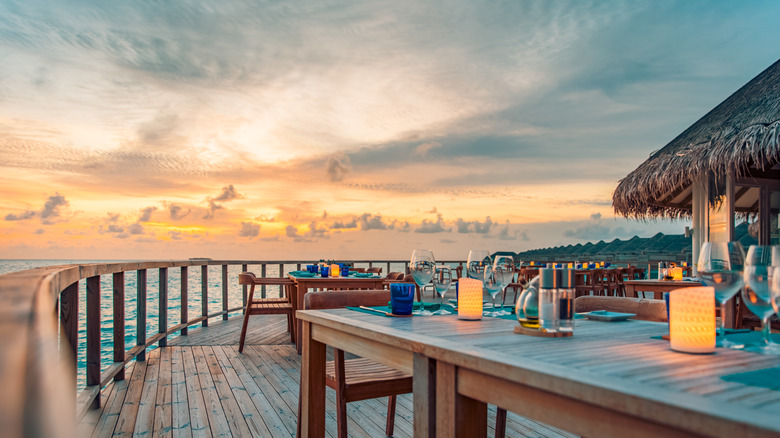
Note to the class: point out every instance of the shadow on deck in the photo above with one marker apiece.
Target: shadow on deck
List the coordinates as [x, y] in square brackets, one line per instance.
[200, 385]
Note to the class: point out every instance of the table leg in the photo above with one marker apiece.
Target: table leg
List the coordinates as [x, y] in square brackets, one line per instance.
[446, 392]
[311, 421]
[631, 291]
[299, 291]
[470, 417]
[424, 387]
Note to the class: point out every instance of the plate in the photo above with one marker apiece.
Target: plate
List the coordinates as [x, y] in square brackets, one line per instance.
[604, 315]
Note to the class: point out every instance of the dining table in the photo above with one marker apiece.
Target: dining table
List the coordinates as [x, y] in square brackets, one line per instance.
[656, 287]
[610, 379]
[302, 284]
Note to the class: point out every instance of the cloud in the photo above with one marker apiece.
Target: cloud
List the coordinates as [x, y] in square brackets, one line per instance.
[424, 149]
[504, 233]
[432, 227]
[136, 229]
[344, 225]
[29, 214]
[146, 214]
[229, 193]
[213, 207]
[596, 216]
[292, 231]
[397, 225]
[338, 165]
[371, 222]
[51, 210]
[474, 226]
[177, 212]
[249, 229]
[114, 228]
[40, 231]
[175, 235]
[314, 232]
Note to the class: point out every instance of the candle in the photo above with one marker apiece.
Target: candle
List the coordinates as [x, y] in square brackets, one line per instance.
[677, 273]
[692, 319]
[334, 270]
[469, 299]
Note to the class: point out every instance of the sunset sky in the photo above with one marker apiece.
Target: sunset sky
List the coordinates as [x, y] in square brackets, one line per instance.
[337, 129]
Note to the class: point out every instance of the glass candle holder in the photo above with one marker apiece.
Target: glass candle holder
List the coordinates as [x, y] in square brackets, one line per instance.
[469, 299]
[401, 298]
[692, 319]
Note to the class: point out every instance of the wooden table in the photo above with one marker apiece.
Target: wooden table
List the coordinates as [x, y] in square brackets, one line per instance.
[657, 287]
[303, 285]
[608, 380]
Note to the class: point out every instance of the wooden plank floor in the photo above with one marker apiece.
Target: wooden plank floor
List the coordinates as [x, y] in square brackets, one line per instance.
[201, 386]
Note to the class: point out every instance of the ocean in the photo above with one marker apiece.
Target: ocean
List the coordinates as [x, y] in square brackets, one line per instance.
[235, 297]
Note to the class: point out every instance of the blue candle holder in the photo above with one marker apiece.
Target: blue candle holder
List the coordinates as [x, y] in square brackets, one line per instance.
[401, 298]
[325, 271]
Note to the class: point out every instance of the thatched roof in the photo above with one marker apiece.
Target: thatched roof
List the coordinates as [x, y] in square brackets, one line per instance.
[741, 135]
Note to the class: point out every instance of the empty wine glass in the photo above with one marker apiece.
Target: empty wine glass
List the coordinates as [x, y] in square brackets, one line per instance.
[475, 265]
[422, 266]
[442, 279]
[759, 274]
[720, 266]
[506, 272]
[492, 283]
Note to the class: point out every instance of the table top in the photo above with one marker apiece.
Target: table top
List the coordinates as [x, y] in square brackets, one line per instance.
[678, 283]
[618, 365]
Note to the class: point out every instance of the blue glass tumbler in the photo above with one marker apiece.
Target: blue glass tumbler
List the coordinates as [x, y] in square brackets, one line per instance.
[324, 271]
[344, 270]
[401, 298]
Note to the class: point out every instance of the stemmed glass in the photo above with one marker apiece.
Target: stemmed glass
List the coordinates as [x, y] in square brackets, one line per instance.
[491, 280]
[759, 274]
[720, 266]
[442, 279]
[422, 266]
[475, 265]
[505, 269]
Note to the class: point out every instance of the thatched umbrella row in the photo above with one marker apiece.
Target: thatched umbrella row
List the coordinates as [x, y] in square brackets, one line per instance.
[739, 136]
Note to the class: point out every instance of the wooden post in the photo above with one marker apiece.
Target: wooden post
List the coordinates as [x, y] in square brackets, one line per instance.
[93, 335]
[119, 322]
[184, 299]
[69, 316]
[224, 292]
[163, 315]
[244, 268]
[204, 293]
[424, 386]
[262, 288]
[140, 327]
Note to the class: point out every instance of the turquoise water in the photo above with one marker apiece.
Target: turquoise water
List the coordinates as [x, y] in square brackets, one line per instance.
[235, 297]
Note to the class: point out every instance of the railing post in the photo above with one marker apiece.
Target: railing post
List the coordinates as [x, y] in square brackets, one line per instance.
[184, 299]
[224, 292]
[140, 336]
[69, 316]
[119, 322]
[262, 288]
[204, 293]
[244, 268]
[163, 311]
[93, 335]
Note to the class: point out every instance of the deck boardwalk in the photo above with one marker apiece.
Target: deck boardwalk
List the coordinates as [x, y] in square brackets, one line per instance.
[201, 386]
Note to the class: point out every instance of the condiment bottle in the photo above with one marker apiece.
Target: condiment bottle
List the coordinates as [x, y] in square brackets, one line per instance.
[548, 302]
[565, 295]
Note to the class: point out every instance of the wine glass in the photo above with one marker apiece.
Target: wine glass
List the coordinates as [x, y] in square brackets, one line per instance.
[759, 275]
[442, 279]
[774, 289]
[475, 265]
[422, 267]
[491, 280]
[506, 275]
[720, 266]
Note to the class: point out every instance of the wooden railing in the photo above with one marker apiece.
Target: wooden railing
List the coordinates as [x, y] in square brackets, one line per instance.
[38, 346]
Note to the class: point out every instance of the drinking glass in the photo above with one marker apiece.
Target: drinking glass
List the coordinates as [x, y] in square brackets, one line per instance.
[492, 283]
[475, 265]
[506, 273]
[720, 266]
[774, 289]
[442, 279]
[758, 275]
[422, 266]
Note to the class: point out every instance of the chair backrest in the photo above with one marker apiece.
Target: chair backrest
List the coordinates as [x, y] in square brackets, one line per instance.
[246, 278]
[336, 299]
[374, 270]
[396, 276]
[645, 309]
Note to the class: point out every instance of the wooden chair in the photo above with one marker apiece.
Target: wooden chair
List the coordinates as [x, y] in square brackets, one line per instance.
[593, 283]
[644, 308]
[358, 379]
[265, 306]
[375, 270]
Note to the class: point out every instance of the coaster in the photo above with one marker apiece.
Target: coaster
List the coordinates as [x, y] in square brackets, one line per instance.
[536, 332]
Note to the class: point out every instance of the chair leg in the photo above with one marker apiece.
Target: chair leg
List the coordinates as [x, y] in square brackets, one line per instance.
[341, 393]
[291, 327]
[243, 331]
[500, 423]
[390, 416]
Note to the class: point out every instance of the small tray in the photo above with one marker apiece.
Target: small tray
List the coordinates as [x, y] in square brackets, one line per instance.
[536, 332]
[604, 315]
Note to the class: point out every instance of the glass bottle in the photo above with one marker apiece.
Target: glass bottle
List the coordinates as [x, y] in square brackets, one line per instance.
[548, 303]
[565, 296]
[527, 307]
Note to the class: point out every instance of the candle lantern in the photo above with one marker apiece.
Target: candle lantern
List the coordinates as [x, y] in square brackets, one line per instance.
[677, 273]
[335, 270]
[692, 319]
[469, 299]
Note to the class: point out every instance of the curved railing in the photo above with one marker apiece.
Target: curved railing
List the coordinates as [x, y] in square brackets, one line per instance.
[38, 344]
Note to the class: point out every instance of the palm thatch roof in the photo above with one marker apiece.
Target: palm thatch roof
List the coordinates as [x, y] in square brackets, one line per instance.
[739, 136]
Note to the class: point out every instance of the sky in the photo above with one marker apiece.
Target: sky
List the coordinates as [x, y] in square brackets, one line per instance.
[313, 129]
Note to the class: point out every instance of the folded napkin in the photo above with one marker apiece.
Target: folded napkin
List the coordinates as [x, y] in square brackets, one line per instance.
[302, 274]
[363, 274]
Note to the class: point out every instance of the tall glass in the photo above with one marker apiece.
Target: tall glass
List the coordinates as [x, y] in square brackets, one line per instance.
[422, 266]
[442, 279]
[492, 283]
[756, 294]
[475, 265]
[720, 266]
[505, 266]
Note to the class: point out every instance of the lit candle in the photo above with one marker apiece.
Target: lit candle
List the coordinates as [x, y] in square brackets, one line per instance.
[469, 299]
[334, 270]
[677, 273]
[692, 319]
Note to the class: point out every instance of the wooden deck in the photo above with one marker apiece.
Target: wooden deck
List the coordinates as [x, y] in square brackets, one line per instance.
[201, 386]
